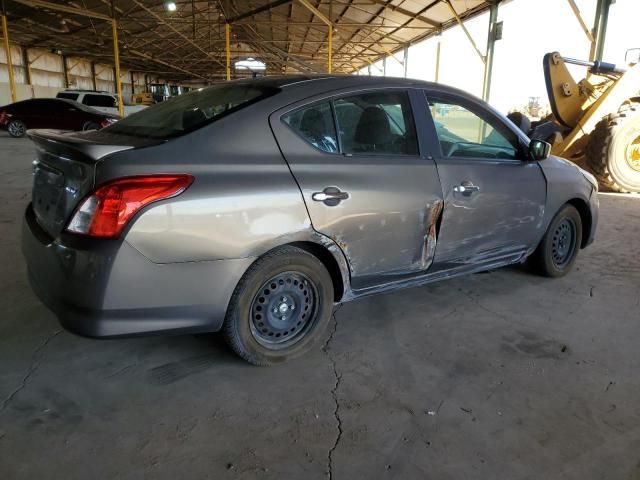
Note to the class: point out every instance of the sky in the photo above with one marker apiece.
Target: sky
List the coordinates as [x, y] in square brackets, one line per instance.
[531, 28]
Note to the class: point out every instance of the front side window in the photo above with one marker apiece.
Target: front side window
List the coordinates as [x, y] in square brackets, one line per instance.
[466, 133]
[186, 113]
[55, 107]
[315, 124]
[376, 123]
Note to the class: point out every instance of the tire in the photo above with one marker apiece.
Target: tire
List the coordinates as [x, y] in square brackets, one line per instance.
[559, 247]
[90, 126]
[260, 325]
[16, 128]
[613, 150]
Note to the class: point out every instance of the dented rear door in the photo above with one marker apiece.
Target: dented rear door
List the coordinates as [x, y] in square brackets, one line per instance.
[380, 207]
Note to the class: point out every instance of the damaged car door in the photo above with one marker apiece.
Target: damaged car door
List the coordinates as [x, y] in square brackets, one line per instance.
[494, 196]
[357, 160]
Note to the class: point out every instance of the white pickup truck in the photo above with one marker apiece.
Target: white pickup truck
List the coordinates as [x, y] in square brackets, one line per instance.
[103, 101]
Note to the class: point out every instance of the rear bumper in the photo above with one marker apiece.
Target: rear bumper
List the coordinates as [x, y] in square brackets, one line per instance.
[106, 288]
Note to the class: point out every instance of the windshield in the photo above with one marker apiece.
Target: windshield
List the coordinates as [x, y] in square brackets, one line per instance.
[191, 111]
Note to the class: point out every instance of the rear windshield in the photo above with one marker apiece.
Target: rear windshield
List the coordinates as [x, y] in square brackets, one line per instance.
[183, 114]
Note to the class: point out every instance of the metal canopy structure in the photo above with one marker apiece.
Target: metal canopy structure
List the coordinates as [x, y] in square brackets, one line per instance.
[200, 40]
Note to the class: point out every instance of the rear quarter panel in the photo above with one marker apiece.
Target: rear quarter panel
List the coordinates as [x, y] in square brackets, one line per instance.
[243, 202]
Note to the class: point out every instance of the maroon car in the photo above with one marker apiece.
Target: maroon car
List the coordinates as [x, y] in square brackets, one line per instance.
[57, 113]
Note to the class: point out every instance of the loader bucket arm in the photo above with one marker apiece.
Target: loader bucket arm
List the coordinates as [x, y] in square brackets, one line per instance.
[564, 93]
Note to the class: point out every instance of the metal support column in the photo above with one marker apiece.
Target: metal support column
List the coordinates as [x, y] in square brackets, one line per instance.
[93, 76]
[491, 42]
[65, 71]
[227, 39]
[437, 75]
[405, 61]
[116, 61]
[384, 67]
[27, 66]
[7, 49]
[600, 29]
[330, 49]
[133, 83]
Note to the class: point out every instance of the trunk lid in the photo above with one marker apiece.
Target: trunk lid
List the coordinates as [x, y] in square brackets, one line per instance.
[64, 172]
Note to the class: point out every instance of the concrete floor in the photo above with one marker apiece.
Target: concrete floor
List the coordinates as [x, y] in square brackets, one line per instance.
[500, 375]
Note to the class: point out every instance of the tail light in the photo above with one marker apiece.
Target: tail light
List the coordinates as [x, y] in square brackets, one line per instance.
[105, 122]
[107, 211]
[4, 117]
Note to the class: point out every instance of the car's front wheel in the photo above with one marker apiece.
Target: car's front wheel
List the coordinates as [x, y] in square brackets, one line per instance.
[280, 308]
[559, 247]
[16, 128]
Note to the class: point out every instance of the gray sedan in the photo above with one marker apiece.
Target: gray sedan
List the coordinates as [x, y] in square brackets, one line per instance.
[253, 207]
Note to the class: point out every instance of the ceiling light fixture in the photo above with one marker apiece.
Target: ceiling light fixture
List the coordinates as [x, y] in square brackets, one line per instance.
[250, 64]
[170, 6]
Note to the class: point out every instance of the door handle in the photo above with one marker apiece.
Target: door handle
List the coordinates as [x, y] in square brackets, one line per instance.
[330, 196]
[466, 188]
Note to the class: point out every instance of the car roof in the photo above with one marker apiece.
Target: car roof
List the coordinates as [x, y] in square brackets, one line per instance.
[79, 106]
[33, 100]
[73, 90]
[328, 82]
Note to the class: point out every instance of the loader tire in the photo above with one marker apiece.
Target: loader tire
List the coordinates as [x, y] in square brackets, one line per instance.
[613, 150]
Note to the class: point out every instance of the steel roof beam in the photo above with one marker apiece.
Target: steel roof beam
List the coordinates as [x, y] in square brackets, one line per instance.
[184, 37]
[408, 13]
[83, 12]
[258, 10]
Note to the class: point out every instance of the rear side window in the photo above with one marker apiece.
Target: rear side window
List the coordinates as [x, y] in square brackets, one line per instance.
[186, 113]
[68, 96]
[93, 100]
[376, 123]
[21, 107]
[315, 124]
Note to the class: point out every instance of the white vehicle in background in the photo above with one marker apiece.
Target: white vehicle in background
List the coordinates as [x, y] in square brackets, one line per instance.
[104, 101]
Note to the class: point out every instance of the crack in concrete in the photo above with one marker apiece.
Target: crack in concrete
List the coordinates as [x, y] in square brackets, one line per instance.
[489, 310]
[334, 395]
[33, 366]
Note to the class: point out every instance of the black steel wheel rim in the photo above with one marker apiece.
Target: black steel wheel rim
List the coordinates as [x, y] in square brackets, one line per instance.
[564, 243]
[283, 310]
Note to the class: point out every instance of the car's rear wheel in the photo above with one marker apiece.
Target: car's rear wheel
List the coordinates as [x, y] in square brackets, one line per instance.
[90, 126]
[559, 247]
[280, 307]
[16, 128]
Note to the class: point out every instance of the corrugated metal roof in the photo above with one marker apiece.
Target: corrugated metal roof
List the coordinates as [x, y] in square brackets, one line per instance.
[190, 42]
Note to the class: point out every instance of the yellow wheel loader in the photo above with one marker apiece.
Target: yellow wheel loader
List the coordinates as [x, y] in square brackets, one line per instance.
[596, 121]
[142, 98]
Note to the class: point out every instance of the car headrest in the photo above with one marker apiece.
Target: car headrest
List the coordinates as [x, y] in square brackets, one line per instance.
[373, 127]
[192, 118]
[521, 121]
[313, 122]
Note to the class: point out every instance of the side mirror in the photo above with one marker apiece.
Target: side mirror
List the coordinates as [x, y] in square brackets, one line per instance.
[539, 150]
